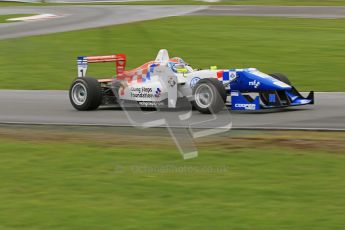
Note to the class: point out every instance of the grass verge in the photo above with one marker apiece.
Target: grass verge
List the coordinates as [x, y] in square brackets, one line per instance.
[309, 51]
[87, 179]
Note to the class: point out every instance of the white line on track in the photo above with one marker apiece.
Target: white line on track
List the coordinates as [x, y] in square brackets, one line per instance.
[38, 17]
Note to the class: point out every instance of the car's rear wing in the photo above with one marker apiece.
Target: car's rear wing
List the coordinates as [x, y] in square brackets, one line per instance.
[119, 59]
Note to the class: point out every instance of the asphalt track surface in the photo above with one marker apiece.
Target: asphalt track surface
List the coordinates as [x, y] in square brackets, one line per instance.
[276, 11]
[82, 17]
[53, 107]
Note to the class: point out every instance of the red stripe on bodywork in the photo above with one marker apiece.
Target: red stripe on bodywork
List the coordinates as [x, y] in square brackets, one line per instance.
[220, 74]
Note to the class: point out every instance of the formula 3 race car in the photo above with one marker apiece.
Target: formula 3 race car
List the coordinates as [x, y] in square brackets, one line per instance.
[166, 81]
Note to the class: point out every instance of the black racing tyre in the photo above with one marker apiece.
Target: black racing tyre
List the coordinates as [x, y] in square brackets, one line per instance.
[85, 94]
[281, 77]
[209, 96]
[116, 86]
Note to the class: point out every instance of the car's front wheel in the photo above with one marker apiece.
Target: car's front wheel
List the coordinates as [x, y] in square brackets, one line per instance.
[209, 96]
[85, 94]
[281, 77]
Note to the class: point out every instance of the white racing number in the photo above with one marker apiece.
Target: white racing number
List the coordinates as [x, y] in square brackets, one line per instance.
[82, 66]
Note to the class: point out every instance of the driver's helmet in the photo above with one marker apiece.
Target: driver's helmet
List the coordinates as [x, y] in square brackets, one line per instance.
[178, 60]
[177, 64]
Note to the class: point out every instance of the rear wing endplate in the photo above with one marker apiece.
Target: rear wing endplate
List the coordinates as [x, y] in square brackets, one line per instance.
[119, 59]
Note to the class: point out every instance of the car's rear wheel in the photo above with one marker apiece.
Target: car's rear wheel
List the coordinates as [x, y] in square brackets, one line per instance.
[85, 94]
[209, 96]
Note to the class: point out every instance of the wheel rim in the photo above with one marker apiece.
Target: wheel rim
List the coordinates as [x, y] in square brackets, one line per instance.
[79, 94]
[204, 96]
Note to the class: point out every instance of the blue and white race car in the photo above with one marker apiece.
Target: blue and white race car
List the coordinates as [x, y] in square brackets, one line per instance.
[166, 81]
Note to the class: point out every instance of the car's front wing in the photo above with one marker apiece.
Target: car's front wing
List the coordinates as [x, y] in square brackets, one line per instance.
[268, 99]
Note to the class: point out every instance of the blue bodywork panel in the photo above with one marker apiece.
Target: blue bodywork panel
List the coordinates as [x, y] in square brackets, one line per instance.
[240, 102]
[254, 81]
[272, 92]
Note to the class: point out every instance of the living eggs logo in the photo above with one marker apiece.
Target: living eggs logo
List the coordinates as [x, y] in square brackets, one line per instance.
[194, 81]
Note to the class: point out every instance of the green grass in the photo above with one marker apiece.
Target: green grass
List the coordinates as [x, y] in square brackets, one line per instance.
[223, 2]
[3, 18]
[309, 51]
[88, 185]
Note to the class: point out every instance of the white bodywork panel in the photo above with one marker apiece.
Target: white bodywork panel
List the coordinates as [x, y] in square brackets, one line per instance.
[162, 57]
[164, 83]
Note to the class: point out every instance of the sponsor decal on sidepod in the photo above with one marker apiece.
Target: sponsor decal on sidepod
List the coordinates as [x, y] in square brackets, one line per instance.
[194, 81]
